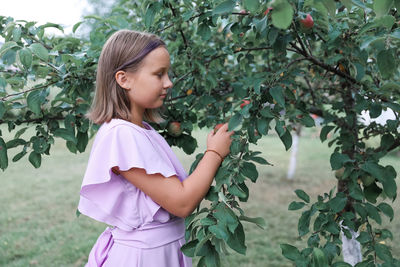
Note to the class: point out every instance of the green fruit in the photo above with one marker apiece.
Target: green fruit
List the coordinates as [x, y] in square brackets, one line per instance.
[339, 173]
[174, 129]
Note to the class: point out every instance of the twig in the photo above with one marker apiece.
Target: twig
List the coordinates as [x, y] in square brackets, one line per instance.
[29, 90]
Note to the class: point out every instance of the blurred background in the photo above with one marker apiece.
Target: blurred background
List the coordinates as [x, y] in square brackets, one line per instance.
[38, 222]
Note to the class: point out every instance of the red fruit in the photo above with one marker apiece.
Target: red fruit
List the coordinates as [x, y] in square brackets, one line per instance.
[308, 22]
[243, 11]
[216, 128]
[241, 34]
[245, 102]
[174, 128]
[267, 11]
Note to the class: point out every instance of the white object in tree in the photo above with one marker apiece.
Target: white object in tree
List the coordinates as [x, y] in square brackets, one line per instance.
[293, 155]
[351, 248]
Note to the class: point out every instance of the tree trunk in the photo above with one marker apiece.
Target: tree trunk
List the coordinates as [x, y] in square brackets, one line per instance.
[351, 248]
[293, 153]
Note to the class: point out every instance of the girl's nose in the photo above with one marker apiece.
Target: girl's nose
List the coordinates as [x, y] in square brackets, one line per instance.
[167, 83]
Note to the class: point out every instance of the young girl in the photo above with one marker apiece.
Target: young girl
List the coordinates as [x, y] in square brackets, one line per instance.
[133, 180]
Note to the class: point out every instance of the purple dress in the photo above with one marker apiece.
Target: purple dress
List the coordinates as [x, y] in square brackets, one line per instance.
[143, 234]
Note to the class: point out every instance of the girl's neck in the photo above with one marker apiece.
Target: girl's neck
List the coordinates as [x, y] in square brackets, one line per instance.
[137, 117]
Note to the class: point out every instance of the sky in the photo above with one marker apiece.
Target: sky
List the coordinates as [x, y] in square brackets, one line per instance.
[64, 12]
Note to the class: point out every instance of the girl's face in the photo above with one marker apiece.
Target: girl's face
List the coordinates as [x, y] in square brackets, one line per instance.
[150, 83]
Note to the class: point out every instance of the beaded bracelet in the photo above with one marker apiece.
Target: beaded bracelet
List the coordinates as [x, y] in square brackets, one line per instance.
[222, 159]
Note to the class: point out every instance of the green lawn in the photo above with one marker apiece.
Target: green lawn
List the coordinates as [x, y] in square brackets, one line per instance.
[38, 225]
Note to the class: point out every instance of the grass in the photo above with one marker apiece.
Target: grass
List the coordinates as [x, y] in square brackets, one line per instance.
[39, 226]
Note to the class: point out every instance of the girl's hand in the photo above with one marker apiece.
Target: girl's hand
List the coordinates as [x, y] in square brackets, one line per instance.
[220, 141]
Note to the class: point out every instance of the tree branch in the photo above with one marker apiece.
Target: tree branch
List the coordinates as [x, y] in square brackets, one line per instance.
[29, 90]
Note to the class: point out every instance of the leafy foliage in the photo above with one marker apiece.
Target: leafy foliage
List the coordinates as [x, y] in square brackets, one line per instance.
[223, 52]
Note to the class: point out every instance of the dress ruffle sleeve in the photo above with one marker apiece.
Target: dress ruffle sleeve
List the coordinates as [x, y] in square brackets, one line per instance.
[110, 198]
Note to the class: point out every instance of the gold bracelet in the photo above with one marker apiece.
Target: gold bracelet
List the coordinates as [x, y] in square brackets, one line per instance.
[222, 159]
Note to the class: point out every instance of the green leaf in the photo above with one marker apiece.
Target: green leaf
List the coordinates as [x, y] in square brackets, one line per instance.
[302, 195]
[249, 170]
[35, 159]
[387, 210]
[386, 21]
[25, 56]
[294, 205]
[6, 47]
[364, 237]
[224, 7]
[373, 213]
[15, 142]
[65, 134]
[348, 4]
[304, 223]
[383, 252]
[307, 120]
[204, 31]
[331, 7]
[372, 192]
[82, 142]
[235, 121]
[34, 100]
[237, 240]
[76, 26]
[282, 14]
[40, 51]
[262, 126]
[319, 258]
[387, 141]
[375, 110]
[226, 216]
[266, 112]
[237, 191]
[260, 222]
[206, 221]
[251, 5]
[386, 63]
[397, 5]
[277, 93]
[219, 231]
[149, 15]
[212, 258]
[260, 160]
[2, 109]
[3, 155]
[189, 248]
[338, 203]
[374, 169]
[382, 7]
[290, 252]
[286, 139]
[390, 187]
[337, 160]
[19, 155]
[325, 131]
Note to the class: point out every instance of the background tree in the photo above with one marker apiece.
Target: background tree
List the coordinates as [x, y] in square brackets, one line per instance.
[287, 59]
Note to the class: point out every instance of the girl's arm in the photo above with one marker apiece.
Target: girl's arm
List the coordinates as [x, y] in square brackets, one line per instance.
[181, 198]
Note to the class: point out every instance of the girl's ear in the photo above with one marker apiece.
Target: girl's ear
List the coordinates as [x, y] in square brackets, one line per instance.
[122, 79]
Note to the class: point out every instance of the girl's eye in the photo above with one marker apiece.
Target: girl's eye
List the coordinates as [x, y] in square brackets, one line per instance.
[160, 74]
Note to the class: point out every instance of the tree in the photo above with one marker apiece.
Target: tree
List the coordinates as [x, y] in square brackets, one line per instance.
[342, 61]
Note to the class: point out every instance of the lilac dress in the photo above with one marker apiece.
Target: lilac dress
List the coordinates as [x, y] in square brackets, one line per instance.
[142, 233]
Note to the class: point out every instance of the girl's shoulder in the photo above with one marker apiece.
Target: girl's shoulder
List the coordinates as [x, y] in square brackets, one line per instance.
[117, 123]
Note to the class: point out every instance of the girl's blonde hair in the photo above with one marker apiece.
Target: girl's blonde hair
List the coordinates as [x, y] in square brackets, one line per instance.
[124, 50]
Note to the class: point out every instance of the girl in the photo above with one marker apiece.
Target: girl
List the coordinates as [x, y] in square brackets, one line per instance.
[133, 180]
